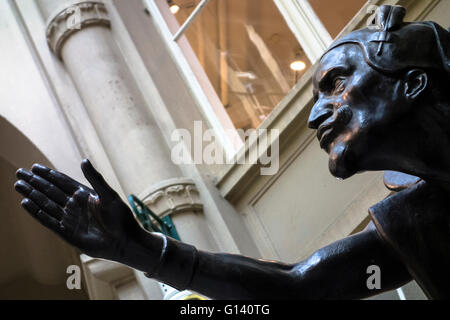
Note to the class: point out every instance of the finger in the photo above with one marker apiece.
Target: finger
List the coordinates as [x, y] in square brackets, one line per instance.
[63, 182]
[41, 200]
[105, 192]
[37, 213]
[42, 185]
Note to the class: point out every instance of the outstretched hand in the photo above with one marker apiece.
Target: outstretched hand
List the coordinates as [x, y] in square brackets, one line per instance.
[95, 220]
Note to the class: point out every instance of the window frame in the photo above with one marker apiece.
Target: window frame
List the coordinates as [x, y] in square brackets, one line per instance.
[191, 79]
[301, 20]
[306, 26]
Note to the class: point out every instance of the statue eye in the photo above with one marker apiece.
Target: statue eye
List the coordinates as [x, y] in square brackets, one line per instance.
[338, 85]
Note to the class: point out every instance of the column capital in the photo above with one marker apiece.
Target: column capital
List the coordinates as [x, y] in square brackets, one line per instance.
[172, 196]
[72, 19]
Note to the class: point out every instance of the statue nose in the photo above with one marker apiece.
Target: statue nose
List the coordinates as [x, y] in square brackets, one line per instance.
[319, 113]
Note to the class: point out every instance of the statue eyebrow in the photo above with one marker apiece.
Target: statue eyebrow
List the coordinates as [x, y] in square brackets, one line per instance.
[325, 81]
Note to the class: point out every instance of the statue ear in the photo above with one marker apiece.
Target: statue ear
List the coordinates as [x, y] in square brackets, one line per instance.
[416, 80]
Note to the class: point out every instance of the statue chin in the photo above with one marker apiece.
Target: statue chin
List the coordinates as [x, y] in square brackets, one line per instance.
[338, 163]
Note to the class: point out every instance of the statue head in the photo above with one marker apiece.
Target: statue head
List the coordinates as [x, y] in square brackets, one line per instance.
[372, 90]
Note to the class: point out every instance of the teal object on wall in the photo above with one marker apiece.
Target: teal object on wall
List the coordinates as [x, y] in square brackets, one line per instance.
[150, 221]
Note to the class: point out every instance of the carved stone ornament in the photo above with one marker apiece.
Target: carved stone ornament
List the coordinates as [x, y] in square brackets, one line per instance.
[172, 196]
[73, 19]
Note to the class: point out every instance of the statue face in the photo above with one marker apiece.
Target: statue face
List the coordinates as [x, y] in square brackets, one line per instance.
[354, 109]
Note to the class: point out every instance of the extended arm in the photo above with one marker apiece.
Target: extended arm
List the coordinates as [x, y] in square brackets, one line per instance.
[338, 271]
[101, 225]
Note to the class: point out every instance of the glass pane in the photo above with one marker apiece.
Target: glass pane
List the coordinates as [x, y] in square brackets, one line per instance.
[336, 14]
[247, 51]
[176, 12]
[182, 9]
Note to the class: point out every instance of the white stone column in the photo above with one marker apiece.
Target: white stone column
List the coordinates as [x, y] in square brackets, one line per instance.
[81, 37]
[79, 34]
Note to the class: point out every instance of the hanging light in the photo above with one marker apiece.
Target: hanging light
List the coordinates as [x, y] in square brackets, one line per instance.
[174, 8]
[298, 65]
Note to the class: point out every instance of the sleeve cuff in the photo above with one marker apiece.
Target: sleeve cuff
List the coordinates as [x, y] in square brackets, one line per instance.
[177, 265]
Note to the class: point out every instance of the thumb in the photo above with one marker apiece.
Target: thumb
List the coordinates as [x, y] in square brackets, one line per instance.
[104, 191]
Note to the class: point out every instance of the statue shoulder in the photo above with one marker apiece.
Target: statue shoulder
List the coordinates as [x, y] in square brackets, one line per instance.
[413, 196]
[415, 223]
[398, 181]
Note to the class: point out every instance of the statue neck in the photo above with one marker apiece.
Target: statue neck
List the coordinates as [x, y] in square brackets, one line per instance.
[430, 159]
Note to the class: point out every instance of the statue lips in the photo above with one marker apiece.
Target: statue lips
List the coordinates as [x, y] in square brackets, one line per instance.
[326, 133]
[331, 128]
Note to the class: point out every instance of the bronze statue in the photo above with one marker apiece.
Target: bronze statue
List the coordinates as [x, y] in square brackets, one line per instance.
[381, 103]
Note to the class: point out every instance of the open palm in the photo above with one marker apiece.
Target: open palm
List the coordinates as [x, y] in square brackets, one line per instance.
[94, 220]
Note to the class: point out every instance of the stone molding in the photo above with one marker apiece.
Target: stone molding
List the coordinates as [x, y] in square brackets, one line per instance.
[105, 279]
[73, 19]
[172, 196]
